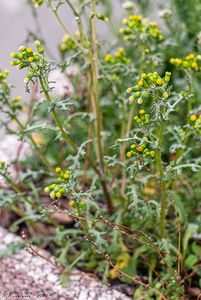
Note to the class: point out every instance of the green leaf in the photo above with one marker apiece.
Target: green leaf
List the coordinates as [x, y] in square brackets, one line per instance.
[191, 229]
[191, 261]
[196, 249]
[64, 279]
[11, 249]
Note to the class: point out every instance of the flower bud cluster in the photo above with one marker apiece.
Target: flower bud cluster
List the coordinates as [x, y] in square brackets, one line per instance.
[26, 57]
[75, 204]
[141, 91]
[57, 190]
[4, 88]
[67, 44]
[12, 104]
[119, 57]
[102, 17]
[137, 25]
[143, 118]
[195, 122]
[15, 104]
[143, 149]
[3, 76]
[191, 61]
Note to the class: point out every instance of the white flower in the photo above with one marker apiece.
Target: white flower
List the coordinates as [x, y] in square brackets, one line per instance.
[128, 5]
[164, 13]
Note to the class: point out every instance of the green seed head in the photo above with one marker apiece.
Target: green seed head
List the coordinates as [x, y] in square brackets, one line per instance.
[37, 43]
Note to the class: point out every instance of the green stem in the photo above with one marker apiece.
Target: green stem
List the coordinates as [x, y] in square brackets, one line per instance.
[64, 27]
[159, 165]
[190, 91]
[123, 149]
[20, 194]
[16, 189]
[78, 19]
[160, 171]
[93, 57]
[56, 118]
[94, 94]
[95, 88]
[83, 223]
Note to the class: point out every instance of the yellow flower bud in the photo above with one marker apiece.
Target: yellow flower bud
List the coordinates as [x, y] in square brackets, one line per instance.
[121, 30]
[30, 59]
[65, 38]
[190, 56]
[117, 54]
[29, 50]
[71, 203]
[193, 118]
[165, 95]
[140, 101]
[133, 146]
[153, 23]
[152, 153]
[37, 43]
[21, 48]
[121, 50]
[58, 195]
[140, 83]
[124, 21]
[57, 170]
[194, 65]
[142, 112]
[143, 75]
[66, 175]
[159, 81]
[63, 47]
[46, 190]
[140, 148]
[18, 98]
[108, 57]
[129, 154]
[52, 194]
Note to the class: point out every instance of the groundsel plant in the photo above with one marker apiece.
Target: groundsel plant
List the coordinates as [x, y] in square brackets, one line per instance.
[120, 158]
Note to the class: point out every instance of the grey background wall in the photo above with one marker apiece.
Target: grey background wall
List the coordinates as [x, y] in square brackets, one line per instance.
[16, 21]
